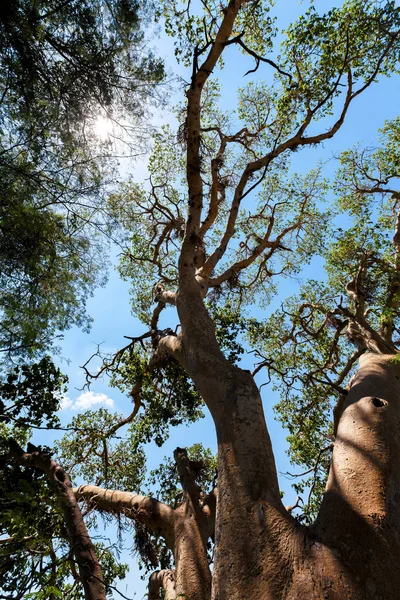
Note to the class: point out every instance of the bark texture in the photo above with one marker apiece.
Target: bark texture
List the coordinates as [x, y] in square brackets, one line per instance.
[162, 580]
[185, 529]
[82, 547]
[261, 551]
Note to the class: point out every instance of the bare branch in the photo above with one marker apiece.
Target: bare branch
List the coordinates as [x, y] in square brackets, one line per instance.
[155, 515]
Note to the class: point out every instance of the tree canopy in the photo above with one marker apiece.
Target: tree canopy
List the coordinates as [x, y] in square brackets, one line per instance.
[63, 66]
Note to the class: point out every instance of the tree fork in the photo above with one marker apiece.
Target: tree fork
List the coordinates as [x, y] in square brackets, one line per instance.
[184, 530]
[249, 504]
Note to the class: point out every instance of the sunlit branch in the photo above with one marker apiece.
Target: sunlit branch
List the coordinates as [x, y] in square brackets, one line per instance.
[238, 40]
[159, 517]
[256, 253]
[200, 76]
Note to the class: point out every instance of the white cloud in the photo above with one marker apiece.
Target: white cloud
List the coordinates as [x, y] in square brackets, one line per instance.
[65, 402]
[86, 400]
[89, 399]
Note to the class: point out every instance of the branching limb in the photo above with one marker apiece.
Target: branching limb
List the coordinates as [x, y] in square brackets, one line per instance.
[349, 365]
[238, 40]
[162, 580]
[158, 517]
[169, 346]
[209, 504]
[195, 184]
[89, 568]
[392, 302]
[112, 364]
[187, 475]
[165, 296]
[264, 244]
[291, 508]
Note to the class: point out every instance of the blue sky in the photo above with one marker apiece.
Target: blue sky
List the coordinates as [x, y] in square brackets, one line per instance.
[110, 306]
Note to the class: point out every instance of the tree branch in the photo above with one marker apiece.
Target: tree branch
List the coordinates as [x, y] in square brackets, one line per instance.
[194, 180]
[162, 580]
[83, 549]
[158, 517]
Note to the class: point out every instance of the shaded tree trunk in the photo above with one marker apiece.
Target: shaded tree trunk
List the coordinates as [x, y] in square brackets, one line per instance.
[261, 550]
[359, 520]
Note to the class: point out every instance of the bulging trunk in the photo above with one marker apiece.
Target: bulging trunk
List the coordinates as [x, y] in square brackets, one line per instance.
[359, 520]
[252, 525]
[353, 551]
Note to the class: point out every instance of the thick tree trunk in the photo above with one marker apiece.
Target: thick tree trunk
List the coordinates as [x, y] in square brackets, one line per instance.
[262, 553]
[359, 520]
[184, 530]
[162, 580]
[253, 527]
[191, 535]
[353, 550]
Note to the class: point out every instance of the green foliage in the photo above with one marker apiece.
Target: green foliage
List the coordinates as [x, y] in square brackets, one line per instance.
[93, 454]
[49, 267]
[320, 50]
[164, 485]
[36, 558]
[309, 346]
[168, 397]
[164, 481]
[62, 64]
[30, 394]
[190, 28]
[31, 521]
[229, 328]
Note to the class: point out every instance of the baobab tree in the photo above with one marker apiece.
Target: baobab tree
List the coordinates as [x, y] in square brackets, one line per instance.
[221, 219]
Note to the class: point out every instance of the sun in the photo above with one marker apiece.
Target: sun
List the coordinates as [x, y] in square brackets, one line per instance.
[103, 128]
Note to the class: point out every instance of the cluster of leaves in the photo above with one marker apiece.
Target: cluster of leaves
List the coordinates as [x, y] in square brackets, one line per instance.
[49, 268]
[62, 53]
[61, 65]
[229, 328]
[164, 481]
[31, 522]
[167, 395]
[315, 338]
[346, 42]
[30, 394]
[97, 452]
[191, 28]
[36, 558]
